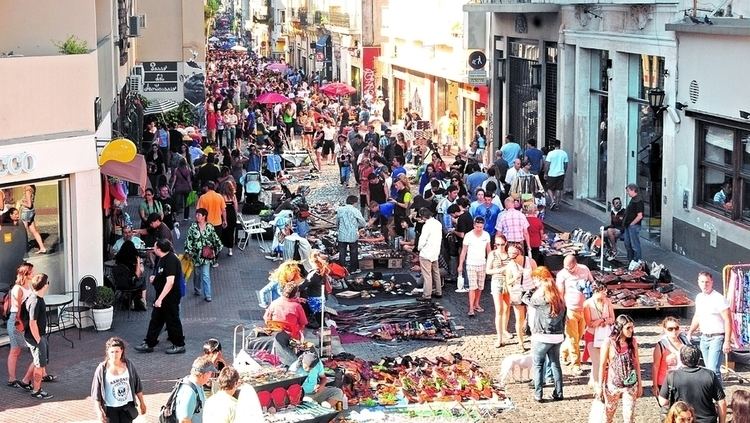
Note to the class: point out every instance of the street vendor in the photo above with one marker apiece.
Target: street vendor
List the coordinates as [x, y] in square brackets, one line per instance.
[315, 384]
[381, 216]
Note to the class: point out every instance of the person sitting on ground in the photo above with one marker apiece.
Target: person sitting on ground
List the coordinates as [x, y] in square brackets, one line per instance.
[315, 383]
[288, 311]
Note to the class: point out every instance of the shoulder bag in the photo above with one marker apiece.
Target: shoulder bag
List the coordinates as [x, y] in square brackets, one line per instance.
[207, 251]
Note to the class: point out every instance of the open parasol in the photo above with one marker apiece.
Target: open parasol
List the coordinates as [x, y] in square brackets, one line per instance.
[337, 89]
[277, 67]
[238, 48]
[271, 98]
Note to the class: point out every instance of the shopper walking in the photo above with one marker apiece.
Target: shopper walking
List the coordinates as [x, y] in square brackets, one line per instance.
[599, 315]
[713, 320]
[546, 331]
[519, 281]
[476, 246]
[667, 353]
[166, 311]
[348, 221]
[556, 164]
[202, 246]
[228, 234]
[20, 291]
[34, 320]
[116, 386]
[496, 261]
[222, 406]
[620, 370]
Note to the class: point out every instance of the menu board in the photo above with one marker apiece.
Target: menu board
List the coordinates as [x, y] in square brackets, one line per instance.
[159, 77]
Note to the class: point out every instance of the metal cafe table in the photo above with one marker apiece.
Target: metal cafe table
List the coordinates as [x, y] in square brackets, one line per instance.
[57, 303]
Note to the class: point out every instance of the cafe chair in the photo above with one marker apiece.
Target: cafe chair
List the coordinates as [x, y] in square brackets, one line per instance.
[82, 302]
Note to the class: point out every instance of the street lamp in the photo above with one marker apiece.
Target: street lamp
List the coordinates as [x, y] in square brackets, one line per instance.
[656, 101]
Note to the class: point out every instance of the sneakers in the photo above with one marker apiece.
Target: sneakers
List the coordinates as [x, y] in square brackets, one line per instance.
[215, 265]
[230, 253]
[40, 394]
[462, 289]
[144, 348]
[208, 299]
[174, 349]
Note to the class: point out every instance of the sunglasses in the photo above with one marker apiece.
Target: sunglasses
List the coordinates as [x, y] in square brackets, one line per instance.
[673, 328]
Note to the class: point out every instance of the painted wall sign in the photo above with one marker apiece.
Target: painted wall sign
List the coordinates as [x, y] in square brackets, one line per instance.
[161, 87]
[160, 77]
[15, 164]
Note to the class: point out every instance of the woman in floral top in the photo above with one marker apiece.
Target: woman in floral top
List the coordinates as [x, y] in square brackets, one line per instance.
[201, 235]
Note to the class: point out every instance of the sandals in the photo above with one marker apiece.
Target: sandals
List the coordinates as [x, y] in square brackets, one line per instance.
[479, 309]
[49, 378]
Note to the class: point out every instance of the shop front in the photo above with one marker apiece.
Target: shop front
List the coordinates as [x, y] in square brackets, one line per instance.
[50, 211]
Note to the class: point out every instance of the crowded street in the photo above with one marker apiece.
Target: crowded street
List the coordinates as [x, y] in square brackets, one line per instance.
[301, 212]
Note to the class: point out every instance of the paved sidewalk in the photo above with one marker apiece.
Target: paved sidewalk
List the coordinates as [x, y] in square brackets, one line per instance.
[234, 302]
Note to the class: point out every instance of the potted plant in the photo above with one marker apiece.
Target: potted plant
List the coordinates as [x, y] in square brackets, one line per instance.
[102, 307]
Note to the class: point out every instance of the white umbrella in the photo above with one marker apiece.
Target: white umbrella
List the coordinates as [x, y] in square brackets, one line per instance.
[213, 39]
[160, 107]
[238, 48]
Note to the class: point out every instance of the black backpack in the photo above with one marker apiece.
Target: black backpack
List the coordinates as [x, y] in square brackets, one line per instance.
[167, 414]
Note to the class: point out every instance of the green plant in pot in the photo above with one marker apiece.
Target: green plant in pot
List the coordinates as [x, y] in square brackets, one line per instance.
[104, 298]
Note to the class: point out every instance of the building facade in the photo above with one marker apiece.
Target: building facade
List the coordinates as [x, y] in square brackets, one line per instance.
[598, 68]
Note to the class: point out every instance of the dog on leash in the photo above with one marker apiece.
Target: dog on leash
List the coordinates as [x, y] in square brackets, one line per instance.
[515, 364]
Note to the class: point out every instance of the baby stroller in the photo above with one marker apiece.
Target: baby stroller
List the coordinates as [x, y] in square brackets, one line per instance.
[252, 187]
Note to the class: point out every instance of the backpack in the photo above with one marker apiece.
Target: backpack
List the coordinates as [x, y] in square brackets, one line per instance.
[7, 300]
[167, 413]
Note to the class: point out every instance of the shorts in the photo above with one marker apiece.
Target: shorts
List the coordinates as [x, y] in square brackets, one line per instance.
[39, 353]
[446, 140]
[497, 286]
[555, 183]
[328, 147]
[16, 337]
[27, 215]
[475, 276]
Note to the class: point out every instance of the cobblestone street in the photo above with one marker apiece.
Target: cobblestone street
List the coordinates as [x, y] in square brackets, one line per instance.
[235, 282]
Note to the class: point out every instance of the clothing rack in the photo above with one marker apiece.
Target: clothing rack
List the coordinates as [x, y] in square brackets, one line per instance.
[737, 293]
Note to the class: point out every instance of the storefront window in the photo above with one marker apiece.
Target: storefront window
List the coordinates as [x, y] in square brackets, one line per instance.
[599, 126]
[724, 177]
[32, 213]
[523, 97]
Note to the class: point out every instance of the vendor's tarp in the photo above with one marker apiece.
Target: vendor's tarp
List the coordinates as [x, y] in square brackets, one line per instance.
[133, 171]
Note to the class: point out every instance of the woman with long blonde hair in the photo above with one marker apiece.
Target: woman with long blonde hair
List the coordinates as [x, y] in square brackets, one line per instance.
[287, 272]
[18, 294]
[547, 330]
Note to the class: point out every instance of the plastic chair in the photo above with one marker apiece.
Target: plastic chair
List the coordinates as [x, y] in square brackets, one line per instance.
[251, 229]
[82, 302]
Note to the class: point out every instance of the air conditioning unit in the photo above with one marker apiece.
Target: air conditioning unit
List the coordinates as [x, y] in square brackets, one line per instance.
[134, 83]
[136, 24]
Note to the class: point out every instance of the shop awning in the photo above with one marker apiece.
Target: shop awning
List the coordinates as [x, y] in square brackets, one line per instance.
[322, 41]
[133, 171]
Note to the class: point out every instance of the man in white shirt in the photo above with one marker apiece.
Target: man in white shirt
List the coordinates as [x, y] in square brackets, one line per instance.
[713, 320]
[556, 165]
[476, 247]
[570, 281]
[511, 174]
[430, 242]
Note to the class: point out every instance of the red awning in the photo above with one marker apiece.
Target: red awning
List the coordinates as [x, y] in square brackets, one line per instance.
[134, 171]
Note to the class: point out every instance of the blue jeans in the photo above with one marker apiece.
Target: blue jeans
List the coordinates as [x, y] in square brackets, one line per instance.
[633, 242]
[345, 172]
[540, 351]
[202, 279]
[712, 353]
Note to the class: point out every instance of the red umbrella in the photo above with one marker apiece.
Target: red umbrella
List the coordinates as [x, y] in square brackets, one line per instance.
[337, 89]
[271, 98]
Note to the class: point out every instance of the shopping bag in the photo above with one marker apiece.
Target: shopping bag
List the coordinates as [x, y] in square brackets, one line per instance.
[192, 198]
[597, 413]
[460, 283]
[187, 265]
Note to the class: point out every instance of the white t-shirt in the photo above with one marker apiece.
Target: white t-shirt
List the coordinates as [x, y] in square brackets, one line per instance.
[708, 308]
[117, 389]
[329, 132]
[557, 159]
[476, 253]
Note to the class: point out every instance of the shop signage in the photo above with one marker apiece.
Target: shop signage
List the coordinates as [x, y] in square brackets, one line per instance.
[477, 60]
[15, 164]
[160, 77]
[369, 84]
[477, 76]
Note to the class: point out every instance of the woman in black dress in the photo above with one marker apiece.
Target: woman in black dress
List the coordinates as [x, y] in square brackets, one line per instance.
[156, 166]
[227, 191]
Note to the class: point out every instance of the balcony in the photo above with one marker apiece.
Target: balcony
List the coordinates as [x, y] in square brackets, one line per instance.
[67, 83]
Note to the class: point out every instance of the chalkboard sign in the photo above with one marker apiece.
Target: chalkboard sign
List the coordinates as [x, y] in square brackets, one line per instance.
[159, 77]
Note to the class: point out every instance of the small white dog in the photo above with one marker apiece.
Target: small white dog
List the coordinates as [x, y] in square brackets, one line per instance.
[515, 363]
